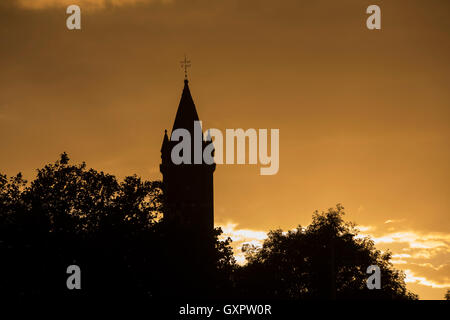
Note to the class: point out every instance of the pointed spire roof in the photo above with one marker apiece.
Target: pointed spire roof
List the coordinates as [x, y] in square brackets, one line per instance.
[165, 143]
[186, 113]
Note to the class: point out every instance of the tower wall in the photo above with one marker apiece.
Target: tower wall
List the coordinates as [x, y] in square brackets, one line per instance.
[188, 188]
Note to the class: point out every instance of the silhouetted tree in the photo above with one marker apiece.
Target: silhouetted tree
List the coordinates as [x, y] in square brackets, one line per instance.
[447, 295]
[116, 232]
[113, 230]
[324, 260]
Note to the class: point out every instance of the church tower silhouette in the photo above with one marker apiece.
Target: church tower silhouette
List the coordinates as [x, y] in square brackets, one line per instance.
[188, 188]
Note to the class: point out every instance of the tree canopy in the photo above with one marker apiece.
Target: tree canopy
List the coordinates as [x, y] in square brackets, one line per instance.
[116, 233]
[113, 230]
[325, 260]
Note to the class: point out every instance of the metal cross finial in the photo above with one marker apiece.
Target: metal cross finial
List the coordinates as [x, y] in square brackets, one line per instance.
[185, 64]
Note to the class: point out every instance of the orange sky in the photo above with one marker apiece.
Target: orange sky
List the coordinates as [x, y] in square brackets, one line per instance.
[363, 115]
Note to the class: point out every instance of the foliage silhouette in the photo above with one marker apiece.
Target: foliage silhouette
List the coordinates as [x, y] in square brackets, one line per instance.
[325, 260]
[116, 232]
[113, 230]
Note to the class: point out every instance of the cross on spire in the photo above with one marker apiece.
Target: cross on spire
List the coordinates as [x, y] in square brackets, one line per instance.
[185, 64]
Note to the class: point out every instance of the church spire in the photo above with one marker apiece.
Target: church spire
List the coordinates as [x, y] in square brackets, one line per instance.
[186, 113]
[188, 187]
[165, 143]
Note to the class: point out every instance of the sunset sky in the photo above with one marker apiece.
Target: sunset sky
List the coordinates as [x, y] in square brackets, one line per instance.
[363, 115]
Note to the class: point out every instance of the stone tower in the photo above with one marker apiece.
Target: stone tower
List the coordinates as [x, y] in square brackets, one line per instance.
[188, 187]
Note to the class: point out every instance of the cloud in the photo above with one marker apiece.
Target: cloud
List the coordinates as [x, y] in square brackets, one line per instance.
[241, 237]
[393, 221]
[88, 4]
[414, 239]
[365, 228]
[423, 256]
[411, 277]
